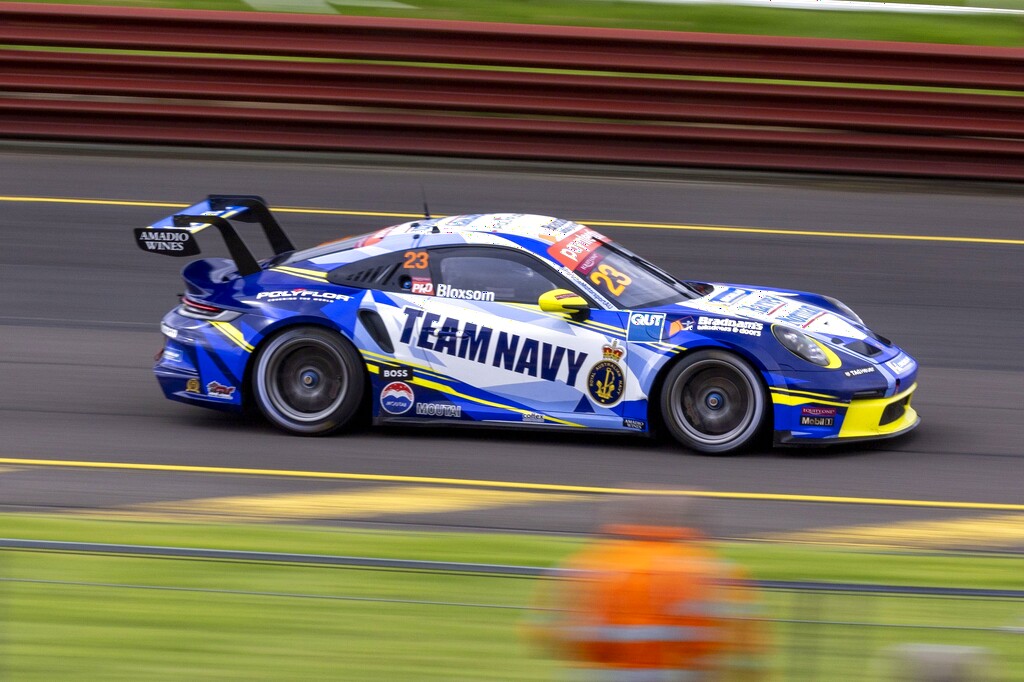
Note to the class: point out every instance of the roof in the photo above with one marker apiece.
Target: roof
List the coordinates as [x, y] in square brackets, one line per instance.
[544, 228]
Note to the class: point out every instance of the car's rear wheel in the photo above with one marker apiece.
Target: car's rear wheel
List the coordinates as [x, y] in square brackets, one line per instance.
[308, 381]
[713, 402]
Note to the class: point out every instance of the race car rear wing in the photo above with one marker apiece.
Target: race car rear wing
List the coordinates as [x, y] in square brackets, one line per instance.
[175, 234]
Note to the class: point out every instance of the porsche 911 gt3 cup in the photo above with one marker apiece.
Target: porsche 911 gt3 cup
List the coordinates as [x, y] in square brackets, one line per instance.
[512, 320]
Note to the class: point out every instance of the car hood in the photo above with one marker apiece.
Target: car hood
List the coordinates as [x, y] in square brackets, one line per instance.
[810, 313]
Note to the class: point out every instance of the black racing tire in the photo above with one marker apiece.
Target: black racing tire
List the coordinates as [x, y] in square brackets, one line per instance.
[308, 381]
[713, 402]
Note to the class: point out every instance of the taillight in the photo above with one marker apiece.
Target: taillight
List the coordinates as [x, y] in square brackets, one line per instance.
[204, 311]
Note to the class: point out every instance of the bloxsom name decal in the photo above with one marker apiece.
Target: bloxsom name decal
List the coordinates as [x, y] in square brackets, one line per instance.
[445, 291]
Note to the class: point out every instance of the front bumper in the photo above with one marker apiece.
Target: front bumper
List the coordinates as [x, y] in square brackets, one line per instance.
[862, 419]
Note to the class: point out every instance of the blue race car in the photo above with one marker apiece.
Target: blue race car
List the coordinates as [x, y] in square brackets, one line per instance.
[512, 320]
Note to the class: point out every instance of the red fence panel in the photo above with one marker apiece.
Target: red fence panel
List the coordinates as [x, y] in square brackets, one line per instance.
[629, 112]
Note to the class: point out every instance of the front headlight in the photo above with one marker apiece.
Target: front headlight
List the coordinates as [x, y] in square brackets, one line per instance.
[844, 309]
[801, 345]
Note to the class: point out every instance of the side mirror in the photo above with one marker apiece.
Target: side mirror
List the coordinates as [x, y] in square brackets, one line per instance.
[565, 302]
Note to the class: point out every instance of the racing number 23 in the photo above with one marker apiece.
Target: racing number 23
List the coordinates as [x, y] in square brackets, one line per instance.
[416, 260]
[613, 280]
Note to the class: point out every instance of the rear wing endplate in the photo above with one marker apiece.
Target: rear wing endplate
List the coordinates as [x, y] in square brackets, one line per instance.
[175, 234]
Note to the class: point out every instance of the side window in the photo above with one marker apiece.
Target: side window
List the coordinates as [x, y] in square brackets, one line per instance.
[481, 274]
[401, 271]
[368, 273]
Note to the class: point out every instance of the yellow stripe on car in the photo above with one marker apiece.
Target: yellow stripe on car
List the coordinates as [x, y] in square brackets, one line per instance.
[314, 275]
[233, 334]
[780, 397]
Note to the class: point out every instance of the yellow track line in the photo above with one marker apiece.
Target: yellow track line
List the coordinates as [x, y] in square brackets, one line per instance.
[514, 485]
[593, 223]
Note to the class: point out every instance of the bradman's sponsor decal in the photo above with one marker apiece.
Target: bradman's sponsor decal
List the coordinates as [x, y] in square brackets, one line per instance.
[446, 291]
[645, 326]
[300, 295]
[215, 389]
[683, 324]
[858, 372]
[397, 398]
[439, 410]
[479, 343]
[606, 380]
[721, 324]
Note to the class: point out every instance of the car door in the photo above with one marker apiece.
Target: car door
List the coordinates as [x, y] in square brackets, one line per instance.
[498, 357]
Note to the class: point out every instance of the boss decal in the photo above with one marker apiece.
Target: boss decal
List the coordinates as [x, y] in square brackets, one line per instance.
[468, 341]
[397, 398]
[400, 373]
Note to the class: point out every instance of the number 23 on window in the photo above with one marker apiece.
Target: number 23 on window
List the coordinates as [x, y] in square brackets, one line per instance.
[613, 280]
[416, 260]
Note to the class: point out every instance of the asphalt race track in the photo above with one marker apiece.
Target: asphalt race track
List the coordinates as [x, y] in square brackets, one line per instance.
[80, 307]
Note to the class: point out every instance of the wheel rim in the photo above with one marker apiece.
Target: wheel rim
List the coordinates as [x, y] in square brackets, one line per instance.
[713, 402]
[306, 380]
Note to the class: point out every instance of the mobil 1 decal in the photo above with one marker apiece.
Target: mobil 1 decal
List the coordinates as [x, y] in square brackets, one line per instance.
[606, 381]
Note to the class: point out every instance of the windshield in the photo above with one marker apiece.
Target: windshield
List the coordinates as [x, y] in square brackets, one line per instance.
[627, 280]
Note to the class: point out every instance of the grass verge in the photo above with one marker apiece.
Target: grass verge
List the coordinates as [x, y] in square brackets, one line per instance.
[88, 617]
[1006, 30]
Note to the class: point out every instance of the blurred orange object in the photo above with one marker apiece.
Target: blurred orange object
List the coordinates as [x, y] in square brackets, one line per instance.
[653, 603]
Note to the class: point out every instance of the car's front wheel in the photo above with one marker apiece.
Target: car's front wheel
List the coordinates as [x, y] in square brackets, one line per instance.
[713, 402]
[308, 381]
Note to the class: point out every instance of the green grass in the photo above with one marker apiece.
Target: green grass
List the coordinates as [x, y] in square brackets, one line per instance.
[963, 29]
[90, 617]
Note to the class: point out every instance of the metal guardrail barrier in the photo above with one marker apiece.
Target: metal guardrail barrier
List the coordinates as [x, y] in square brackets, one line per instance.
[533, 92]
